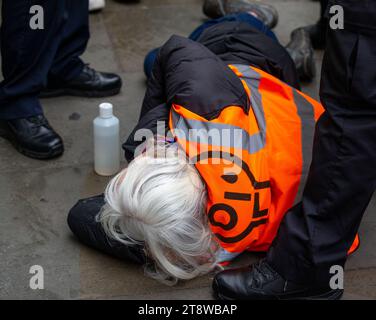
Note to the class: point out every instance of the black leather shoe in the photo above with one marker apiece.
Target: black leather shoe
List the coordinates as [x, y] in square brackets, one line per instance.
[218, 8]
[90, 83]
[33, 137]
[301, 51]
[261, 282]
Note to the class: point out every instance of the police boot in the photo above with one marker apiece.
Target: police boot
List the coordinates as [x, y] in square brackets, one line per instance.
[261, 282]
[301, 51]
[218, 8]
[33, 137]
[89, 83]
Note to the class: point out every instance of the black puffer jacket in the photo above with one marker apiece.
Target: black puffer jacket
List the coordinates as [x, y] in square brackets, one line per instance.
[196, 74]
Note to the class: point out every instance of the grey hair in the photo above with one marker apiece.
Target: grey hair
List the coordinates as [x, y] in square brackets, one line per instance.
[159, 201]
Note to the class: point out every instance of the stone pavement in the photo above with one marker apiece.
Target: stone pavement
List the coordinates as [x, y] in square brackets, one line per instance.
[35, 196]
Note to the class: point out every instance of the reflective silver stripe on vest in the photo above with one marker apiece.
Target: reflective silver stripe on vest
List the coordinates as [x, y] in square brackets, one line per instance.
[225, 135]
[307, 116]
[305, 111]
[252, 79]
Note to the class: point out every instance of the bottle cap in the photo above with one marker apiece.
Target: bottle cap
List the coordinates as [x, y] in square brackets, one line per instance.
[106, 110]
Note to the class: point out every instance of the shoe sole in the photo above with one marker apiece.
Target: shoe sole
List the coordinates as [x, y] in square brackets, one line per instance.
[79, 93]
[53, 154]
[331, 295]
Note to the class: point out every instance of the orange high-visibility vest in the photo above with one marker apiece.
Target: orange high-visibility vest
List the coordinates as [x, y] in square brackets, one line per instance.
[252, 163]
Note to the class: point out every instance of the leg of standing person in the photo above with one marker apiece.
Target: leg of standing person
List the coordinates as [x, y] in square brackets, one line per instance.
[67, 63]
[317, 233]
[317, 32]
[27, 56]
[69, 75]
[33, 58]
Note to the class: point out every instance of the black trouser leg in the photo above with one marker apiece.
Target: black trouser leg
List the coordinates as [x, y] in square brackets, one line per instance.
[67, 63]
[317, 233]
[324, 5]
[27, 55]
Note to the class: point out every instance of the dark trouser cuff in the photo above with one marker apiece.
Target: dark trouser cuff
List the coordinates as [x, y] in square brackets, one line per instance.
[22, 107]
[68, 72]
[298, 270]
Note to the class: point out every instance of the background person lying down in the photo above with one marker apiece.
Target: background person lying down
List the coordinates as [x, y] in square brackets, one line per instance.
[191, 201]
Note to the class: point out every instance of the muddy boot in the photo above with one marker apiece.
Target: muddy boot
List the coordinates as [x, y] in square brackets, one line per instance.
[218, 8]
[301, 51]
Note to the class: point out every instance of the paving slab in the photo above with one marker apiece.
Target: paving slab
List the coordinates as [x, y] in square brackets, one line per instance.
[33, 208]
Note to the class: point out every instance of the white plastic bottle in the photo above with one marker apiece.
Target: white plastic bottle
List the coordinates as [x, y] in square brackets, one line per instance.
[106, 142]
